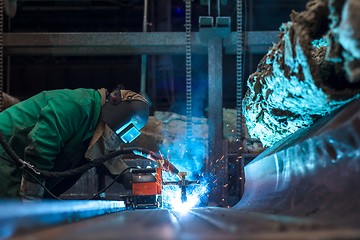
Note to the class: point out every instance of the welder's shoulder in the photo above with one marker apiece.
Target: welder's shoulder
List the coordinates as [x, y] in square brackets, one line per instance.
[80, 97]
[75, 94]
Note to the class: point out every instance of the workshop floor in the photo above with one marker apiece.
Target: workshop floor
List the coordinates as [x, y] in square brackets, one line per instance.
[202, 223]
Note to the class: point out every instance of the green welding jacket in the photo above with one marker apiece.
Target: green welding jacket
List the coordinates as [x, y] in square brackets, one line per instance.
[50, 130]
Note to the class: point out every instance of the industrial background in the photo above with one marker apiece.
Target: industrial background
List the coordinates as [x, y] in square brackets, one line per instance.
[255, 99]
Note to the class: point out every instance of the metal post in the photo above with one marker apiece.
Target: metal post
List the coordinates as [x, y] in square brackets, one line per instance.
[215, 115]
[145, 23]
[143, 74]
[209, 7]
[144, 56]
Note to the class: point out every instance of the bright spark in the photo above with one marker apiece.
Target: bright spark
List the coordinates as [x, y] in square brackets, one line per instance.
[172, 197]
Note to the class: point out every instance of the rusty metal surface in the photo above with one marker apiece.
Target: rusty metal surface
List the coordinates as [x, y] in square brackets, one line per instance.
[115, 43]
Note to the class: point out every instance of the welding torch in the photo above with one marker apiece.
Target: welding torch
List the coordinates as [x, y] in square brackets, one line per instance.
[165, 164]
[183, 184]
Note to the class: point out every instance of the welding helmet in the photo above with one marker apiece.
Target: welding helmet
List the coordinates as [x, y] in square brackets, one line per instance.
[125, 112]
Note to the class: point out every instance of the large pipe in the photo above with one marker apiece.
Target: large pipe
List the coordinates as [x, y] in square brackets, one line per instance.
[313, 173]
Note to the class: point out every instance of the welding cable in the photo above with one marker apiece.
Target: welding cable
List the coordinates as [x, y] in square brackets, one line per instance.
[42, 185]
[79, 170]
[108, 186]
[23, 164]
[83, 168]
[31, 170]
[26, 165]
[90, 198]
[166, 165]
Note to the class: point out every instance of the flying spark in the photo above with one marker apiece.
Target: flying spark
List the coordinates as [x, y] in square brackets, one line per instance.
[172, 197]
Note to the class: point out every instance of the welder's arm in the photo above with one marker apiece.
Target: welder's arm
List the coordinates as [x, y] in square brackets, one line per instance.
[54, 127]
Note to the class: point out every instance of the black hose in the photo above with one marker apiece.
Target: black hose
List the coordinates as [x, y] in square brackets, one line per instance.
[83, 168]
[97, 162]
[78, 170]
[108, 186]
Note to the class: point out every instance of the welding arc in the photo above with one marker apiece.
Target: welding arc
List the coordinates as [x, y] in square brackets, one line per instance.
[79, 170]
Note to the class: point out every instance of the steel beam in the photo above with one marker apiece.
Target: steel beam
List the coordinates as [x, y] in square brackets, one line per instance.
[16, 216]
[121, 43]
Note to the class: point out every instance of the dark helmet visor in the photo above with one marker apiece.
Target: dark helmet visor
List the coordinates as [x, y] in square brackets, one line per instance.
[129, 133]
[126, 118]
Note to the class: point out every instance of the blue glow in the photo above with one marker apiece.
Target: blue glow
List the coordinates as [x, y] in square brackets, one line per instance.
[130, 135]
[186, 153]
[318, 43]
[187, 157]
[178, 10]
[122, 128]
[195, 195]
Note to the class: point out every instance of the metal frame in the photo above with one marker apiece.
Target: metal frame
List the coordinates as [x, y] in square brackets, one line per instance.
[213, 41]
[115, 43]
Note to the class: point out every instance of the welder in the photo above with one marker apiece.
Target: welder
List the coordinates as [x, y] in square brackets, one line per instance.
[60, 130]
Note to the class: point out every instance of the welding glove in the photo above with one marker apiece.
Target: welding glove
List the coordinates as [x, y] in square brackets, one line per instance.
[30, 189]
[104, 142]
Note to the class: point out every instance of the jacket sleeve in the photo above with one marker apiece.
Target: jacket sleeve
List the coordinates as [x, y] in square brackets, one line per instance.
[58, 121]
